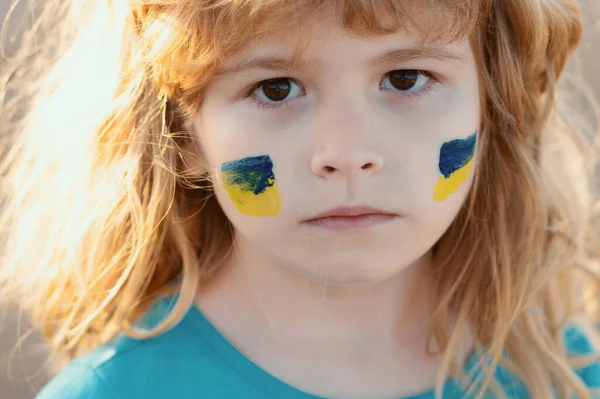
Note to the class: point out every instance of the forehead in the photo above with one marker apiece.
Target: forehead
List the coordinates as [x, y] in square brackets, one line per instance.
[198, 36]
[413, 23]
[432, 19]
[331, 45]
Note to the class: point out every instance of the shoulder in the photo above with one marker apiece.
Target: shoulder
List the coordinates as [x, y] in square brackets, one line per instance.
[131, 368]
[128, 368]
[97, 374]
[581, 342]
[77, 381]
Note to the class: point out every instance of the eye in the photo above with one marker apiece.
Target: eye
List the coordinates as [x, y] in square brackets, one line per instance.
[276, 90]
[405, 80]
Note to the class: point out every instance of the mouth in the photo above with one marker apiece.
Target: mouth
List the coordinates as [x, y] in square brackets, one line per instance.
[351, 218]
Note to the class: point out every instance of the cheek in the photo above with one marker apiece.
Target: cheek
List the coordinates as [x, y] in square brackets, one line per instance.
[251, 186]
[455, 163]
[441, 174]
[242, 170]
[248, 194]
[431, 170]
[455, 178]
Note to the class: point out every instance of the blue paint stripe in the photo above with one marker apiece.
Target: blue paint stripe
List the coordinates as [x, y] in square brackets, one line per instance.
[251, 173]
[456, 154]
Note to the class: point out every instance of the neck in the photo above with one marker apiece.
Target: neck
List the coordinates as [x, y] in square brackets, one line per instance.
[277, 302]
[331, 340]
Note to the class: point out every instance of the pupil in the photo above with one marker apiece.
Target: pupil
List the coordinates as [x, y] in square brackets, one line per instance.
[277, 89]
[404, 80]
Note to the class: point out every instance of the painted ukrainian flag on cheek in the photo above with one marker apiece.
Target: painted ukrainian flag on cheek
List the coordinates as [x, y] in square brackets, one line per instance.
[456, 158]
[250, 183]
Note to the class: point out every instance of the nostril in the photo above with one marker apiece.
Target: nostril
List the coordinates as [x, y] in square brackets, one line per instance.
[329, 165]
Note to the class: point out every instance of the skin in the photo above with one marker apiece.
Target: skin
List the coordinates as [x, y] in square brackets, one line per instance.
[338, 313]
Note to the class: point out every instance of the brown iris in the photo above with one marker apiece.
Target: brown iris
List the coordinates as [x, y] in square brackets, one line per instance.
[276, 89]
[404, 80]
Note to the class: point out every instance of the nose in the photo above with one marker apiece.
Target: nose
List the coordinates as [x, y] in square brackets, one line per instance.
[343, 139]
[346, 163]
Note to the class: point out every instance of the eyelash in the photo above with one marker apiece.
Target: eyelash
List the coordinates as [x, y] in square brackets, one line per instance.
[428, 88]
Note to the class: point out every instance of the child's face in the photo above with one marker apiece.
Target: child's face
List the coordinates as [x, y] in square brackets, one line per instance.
[341, 130]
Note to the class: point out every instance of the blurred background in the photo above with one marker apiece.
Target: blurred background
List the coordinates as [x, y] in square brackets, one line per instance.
[22, 351]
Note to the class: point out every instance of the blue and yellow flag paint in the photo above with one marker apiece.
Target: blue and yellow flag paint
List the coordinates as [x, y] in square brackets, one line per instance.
[456, 159]
[250, 183]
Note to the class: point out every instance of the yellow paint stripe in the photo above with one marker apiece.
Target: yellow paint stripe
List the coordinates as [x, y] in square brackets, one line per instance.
[446, 186]
[267, 203]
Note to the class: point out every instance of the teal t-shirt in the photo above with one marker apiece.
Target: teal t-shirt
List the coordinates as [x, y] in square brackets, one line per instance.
[193, 360]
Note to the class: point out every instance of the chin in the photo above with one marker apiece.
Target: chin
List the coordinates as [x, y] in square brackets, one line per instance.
[349, 274]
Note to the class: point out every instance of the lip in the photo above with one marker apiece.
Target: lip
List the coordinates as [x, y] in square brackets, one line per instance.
[351, 218]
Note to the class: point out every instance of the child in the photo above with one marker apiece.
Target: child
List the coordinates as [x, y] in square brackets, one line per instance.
[304, 199]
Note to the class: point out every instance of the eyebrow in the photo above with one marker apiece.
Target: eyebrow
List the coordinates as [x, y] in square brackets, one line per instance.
[390, 57]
